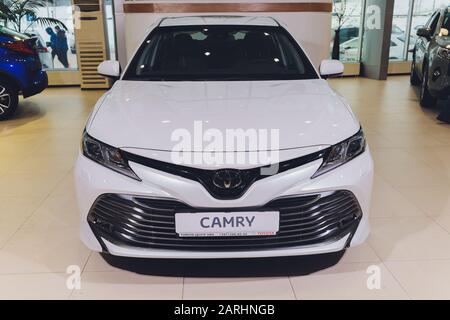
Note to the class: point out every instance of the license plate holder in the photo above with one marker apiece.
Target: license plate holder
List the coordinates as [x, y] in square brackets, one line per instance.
[227, 224]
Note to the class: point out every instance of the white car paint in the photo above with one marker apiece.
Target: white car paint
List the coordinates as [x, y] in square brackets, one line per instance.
[109, 68]
[156, 109]
[139, 117]
[331, 68]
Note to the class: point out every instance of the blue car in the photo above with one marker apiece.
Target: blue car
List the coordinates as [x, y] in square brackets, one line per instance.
[20, 70]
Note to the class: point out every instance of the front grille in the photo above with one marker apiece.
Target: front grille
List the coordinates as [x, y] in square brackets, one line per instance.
[206, 177]
[150, 223]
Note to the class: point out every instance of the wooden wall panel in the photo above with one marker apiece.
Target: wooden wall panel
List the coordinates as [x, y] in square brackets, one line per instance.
[226, 7]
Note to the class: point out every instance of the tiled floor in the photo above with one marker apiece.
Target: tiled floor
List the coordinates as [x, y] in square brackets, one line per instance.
[409, 246]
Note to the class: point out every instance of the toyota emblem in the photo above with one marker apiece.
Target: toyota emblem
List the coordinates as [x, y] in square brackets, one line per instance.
[227, 179]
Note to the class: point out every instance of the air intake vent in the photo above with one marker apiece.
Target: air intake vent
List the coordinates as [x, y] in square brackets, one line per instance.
[91, 54]
[150, 223]
[87, 5]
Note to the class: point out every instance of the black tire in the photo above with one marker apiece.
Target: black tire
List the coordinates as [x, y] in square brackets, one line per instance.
[414, 78]
[9, 99]
[426, 99]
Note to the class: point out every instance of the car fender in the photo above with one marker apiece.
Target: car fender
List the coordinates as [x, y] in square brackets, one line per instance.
[95, 109]
[16, 83]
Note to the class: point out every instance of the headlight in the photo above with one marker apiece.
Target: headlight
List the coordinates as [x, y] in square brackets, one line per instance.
[107, 156]
[444, 53]
[342, 152]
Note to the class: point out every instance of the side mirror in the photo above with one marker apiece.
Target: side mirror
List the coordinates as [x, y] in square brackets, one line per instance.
[424, 32]
[331, 68]
[109, 68]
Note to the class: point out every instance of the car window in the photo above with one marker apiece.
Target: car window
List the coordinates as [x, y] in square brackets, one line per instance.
[446, 23]
[348, 33]
[397, 30]
[434, 22]
[430, 20]
[219, 53]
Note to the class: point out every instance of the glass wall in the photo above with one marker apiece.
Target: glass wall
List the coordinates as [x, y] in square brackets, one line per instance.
[399, 40]
[346, 25]
[409, 16]
[110, 28]
[52, 23]
[61, 50]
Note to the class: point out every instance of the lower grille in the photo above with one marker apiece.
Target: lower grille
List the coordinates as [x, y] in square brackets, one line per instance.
[150, 223]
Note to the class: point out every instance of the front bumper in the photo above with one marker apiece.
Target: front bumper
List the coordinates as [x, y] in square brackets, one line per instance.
[94, 181]
[439, 84]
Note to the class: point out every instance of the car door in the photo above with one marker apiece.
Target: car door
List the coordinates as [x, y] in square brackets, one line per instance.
[423, 43]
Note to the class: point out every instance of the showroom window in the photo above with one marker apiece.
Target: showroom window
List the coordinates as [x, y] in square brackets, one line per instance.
[409, 16]
[399, 41]
[110, 28]
[52, 24]
[62, 11]
[346, 30]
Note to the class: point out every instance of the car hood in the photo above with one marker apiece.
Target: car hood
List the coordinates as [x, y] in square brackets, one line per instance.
[152, 115]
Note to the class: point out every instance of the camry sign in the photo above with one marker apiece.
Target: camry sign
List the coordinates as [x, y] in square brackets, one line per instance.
[226, 224]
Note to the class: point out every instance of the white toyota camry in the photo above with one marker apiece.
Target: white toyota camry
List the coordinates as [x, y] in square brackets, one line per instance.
[221, 140]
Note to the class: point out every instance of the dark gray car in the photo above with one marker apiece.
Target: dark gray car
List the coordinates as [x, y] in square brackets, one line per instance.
[431, 59]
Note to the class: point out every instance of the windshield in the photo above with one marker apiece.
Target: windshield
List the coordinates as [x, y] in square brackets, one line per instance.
[202, 53]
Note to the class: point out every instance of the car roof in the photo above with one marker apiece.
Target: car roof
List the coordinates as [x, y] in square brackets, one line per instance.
[219, 20]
